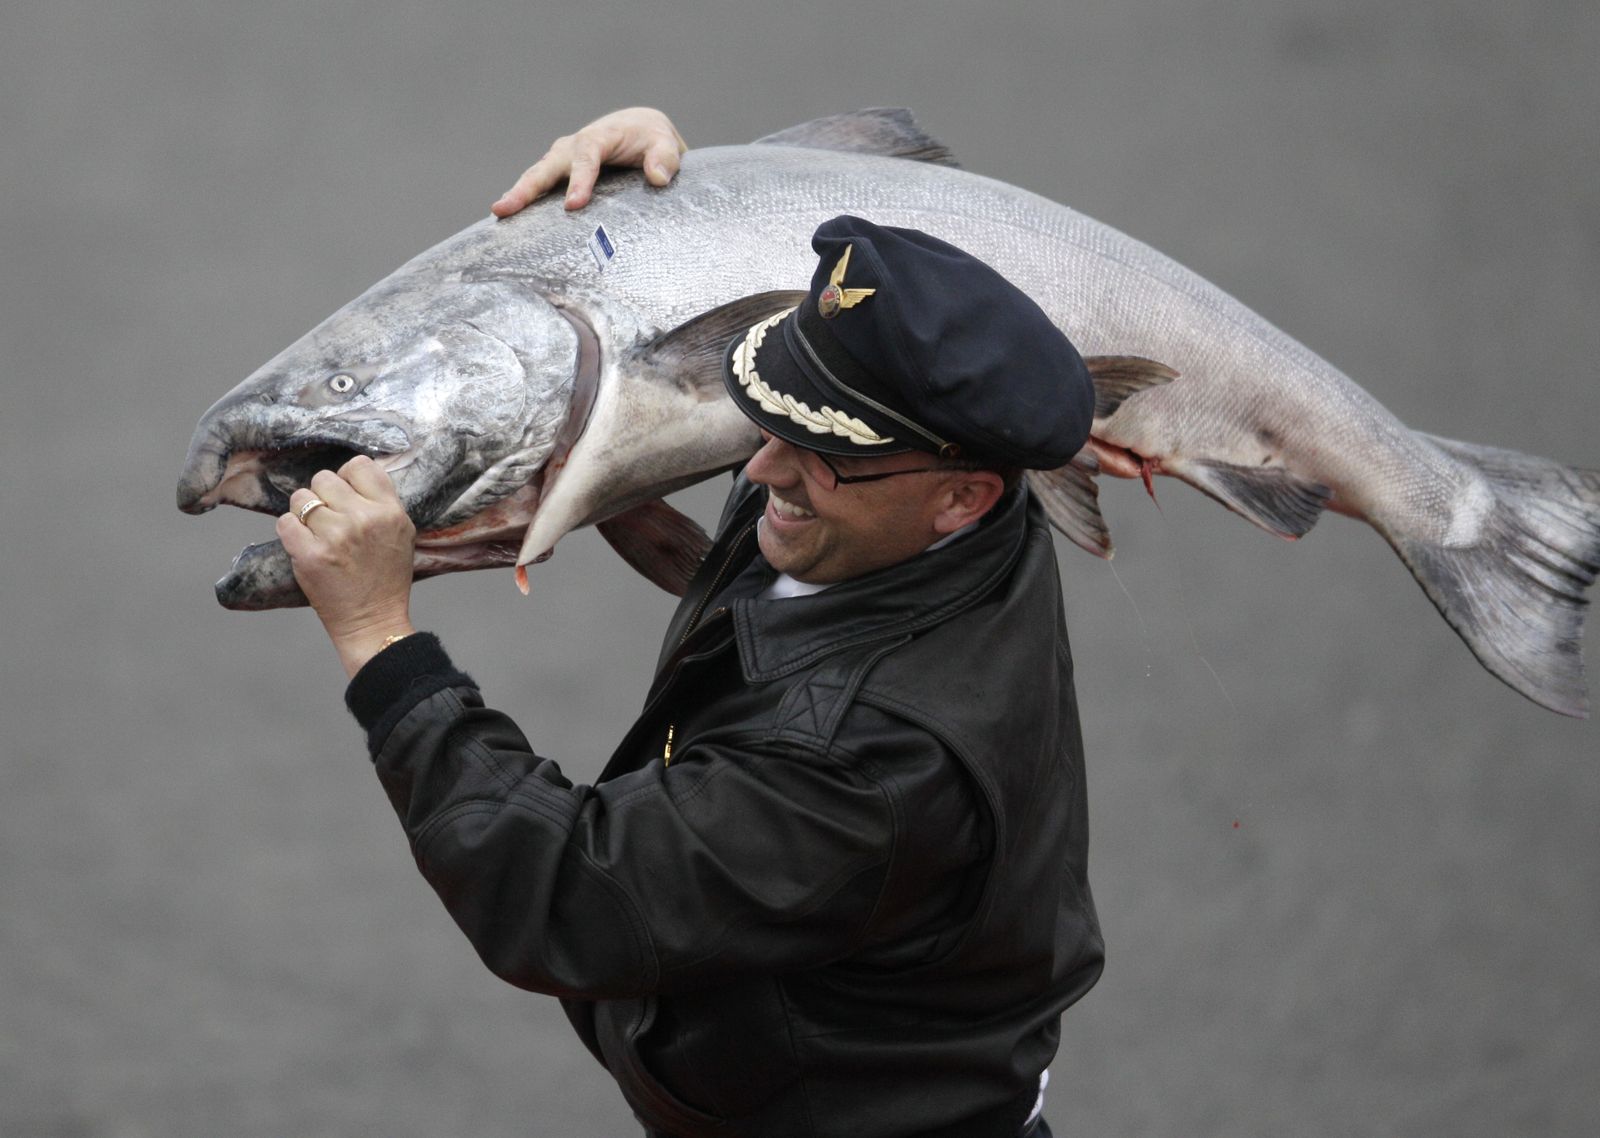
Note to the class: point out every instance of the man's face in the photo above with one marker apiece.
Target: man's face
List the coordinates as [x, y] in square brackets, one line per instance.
[819, 533]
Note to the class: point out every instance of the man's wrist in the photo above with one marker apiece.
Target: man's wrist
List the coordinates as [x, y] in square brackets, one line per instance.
[395, 680]
[357, 646]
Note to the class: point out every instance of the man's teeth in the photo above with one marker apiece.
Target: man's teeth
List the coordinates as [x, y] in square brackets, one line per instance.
[786, 509]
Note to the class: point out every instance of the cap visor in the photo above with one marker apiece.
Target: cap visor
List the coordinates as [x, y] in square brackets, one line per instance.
[776, 390]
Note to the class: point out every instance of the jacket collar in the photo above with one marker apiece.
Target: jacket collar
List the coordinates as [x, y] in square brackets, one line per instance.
[777, 638]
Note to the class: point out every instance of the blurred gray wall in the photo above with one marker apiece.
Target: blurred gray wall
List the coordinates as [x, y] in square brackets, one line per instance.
[1347, 878]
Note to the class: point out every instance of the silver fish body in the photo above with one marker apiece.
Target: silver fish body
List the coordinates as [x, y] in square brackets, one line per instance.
[1504, 544]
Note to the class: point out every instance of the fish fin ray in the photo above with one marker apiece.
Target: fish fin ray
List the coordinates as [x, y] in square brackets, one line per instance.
[1116, 378]
[1515, 595]
[692, 352]
[661, 543]
[1071, 500]
[1278, 500]
[891, 132]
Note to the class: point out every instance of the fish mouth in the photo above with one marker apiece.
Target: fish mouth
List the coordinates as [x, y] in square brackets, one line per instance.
[261, 576]
[464, 521]
[248, 453]
[262, 480]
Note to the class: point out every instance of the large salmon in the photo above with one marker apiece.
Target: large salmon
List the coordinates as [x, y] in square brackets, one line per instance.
[529, 376]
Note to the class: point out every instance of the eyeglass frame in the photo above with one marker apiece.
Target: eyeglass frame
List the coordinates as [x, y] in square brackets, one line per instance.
[856, 479]
[850, 479]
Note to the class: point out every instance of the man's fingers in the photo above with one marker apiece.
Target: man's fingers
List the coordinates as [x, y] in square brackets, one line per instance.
[298, 502]
[588, 151]
[302, 497]
[536, 181]
[297, 539]
[334, 490]
[633, 136]
[661, 160]
[369, 479]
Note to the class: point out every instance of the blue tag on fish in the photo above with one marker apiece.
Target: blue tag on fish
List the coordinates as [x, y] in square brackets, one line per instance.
[600, 245]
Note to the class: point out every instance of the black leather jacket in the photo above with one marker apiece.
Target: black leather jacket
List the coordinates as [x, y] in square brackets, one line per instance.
[833, 880]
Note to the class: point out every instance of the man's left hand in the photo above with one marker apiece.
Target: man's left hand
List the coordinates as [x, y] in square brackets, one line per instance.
[353, 557]
[633, 136]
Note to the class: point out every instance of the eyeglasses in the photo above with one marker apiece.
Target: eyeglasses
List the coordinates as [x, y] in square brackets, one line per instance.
[845, 479]
[856, 479]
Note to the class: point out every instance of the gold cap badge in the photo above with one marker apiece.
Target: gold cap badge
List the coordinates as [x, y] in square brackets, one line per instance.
[835, 296]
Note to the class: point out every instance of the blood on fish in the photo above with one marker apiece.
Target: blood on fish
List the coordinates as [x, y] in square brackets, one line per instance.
[1121, 462]
[1147, 472]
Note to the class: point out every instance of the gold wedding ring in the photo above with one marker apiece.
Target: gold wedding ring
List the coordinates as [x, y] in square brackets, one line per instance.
[306, 509]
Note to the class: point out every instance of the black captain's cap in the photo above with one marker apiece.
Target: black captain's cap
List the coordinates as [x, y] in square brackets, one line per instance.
[906, 343]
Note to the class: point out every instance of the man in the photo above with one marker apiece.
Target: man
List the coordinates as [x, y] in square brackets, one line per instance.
[832, 882]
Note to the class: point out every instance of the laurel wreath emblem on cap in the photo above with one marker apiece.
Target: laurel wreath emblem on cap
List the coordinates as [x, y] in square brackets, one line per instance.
[835, 296]
[824, 421]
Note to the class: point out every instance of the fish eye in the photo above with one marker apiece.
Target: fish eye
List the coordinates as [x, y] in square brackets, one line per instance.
[343, 383]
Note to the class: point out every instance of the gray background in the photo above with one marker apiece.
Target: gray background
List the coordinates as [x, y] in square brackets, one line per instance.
[1347, 878]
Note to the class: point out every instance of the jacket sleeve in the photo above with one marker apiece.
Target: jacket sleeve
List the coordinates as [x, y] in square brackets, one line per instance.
[739, 856]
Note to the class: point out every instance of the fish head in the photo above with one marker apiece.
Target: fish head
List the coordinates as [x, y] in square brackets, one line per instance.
[460, 388]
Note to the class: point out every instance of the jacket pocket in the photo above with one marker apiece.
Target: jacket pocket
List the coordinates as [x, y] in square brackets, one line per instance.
[712, 1056]
[620, 1026]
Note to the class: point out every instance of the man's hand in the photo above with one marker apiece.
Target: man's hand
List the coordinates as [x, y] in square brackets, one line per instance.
[353, 556]
[634, 136]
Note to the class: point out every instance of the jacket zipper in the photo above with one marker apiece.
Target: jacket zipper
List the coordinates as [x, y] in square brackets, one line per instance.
[716, 582]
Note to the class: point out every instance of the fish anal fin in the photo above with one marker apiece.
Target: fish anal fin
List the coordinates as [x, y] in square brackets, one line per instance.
[1118, 377]
[1071, 500]
[692, 352]
[1278, 500]
[888, 131]
[661, 543]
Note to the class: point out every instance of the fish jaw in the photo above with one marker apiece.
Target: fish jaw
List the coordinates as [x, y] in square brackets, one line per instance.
[262, 576]
[459, 390]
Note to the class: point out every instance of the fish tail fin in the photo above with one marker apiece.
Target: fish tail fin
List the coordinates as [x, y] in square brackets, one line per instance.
[1515, 593]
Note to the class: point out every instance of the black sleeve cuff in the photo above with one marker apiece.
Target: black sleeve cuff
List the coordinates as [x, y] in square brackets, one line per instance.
[396, 680]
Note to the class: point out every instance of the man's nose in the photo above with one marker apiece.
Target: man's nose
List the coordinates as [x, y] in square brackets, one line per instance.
[774, 464]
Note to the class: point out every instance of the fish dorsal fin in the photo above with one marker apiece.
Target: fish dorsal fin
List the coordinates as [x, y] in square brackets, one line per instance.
[887, 131]
[695, 348]
[1116, 378]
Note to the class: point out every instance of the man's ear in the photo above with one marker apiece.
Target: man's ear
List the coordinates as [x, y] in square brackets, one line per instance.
[968, 495]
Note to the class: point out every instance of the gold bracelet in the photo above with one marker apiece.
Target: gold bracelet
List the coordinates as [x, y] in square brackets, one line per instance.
[390, 641]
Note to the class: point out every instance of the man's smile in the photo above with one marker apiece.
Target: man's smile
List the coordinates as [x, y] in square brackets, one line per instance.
[787, 509]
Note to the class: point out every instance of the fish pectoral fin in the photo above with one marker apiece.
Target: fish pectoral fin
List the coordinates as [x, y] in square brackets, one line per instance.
[661, 543]
[1277, 500]
[1071, 500]
[692, 352]
[888, 131]
[1118, 377]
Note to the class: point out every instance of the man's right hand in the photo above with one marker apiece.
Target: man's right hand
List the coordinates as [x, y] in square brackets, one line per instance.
[634, 136]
